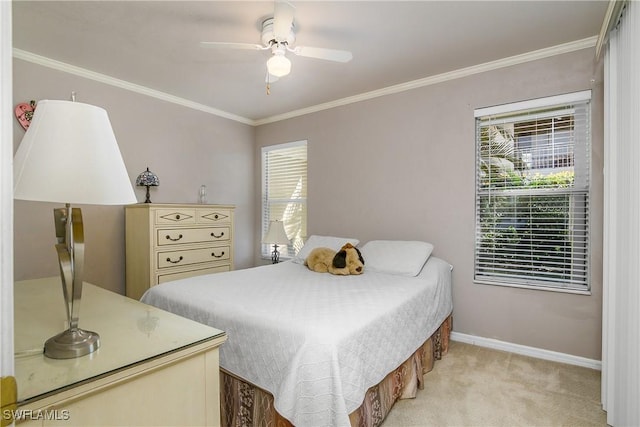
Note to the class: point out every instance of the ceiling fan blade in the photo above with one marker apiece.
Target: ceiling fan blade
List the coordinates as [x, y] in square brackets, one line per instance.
[321, 53]
[282, 20]
[249, 46]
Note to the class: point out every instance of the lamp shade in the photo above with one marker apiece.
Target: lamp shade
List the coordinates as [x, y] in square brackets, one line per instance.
[148, 178]
[276, 234]
[279, 65]
[69, 154]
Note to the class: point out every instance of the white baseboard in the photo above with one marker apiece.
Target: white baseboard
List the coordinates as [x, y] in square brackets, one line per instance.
[524, 350]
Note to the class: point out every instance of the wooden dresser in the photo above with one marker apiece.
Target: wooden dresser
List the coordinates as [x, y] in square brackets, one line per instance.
[152, 368]
[173, 241]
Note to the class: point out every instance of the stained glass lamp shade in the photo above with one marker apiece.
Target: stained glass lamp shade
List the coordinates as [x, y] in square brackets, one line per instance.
[147, 179]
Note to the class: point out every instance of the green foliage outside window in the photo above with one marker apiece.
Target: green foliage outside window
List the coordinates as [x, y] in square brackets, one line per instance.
[530, 233]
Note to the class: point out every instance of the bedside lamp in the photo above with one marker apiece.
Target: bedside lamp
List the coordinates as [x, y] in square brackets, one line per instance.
[147, 179]
[276, 236]
[69, 154]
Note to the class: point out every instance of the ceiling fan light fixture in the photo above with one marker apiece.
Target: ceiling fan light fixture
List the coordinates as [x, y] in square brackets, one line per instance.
[279, 65]
[279, 36]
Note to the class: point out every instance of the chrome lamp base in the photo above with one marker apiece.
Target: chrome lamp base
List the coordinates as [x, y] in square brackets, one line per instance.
[71, 343]
[74, 342]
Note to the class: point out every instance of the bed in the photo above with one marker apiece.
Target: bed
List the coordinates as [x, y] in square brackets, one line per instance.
[316, 345]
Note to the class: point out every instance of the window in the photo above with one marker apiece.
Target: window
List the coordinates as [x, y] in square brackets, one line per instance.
[532, 193]
[284, 193]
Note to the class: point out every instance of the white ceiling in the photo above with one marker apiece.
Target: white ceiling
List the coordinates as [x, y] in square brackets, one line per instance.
[156, 44]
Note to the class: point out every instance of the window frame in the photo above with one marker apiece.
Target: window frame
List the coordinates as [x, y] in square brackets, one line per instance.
[580, 193]
[295, 244]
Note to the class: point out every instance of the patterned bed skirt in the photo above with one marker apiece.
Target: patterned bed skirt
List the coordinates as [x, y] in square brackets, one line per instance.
[245, 405]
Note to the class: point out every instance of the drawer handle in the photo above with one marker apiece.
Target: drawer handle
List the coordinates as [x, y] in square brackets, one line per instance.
[174, 262]
[177, 216]
[213, 254]
[172, 239]
[216, 236]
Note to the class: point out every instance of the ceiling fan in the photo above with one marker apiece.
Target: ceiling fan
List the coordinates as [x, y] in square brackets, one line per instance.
[278, 36]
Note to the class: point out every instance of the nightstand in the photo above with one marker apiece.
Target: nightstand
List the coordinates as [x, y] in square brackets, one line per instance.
[152, 368]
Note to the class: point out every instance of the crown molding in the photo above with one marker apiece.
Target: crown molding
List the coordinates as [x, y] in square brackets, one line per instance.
[123, 84]
[440, 78]
[611, 20]
[586, 43]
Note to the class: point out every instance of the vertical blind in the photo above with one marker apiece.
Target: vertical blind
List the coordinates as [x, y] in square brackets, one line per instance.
[284, 192]
[532, 193]
[621, 293]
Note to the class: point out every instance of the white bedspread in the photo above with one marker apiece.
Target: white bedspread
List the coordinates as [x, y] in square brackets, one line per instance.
[316, 341]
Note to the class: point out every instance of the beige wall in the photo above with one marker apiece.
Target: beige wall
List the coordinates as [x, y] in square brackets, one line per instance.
[184, 147]
[394, 167]
[402, 167]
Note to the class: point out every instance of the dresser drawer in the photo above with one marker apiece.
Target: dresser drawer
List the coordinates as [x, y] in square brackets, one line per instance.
[177, 236]
[175, 216]
[213, 216]
[192, 256]
[190, 273]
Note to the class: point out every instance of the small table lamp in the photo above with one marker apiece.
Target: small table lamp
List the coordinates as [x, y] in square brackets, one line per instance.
[69, 154]
[147, 179]
[276, 236]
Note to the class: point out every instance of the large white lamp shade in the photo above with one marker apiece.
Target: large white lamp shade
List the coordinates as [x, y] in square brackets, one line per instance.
[69, 154]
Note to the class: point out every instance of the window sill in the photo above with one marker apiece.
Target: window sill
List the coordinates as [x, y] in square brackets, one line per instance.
[586, 292]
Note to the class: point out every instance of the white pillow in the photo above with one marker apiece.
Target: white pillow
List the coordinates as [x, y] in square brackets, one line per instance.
[401, 257]
[314, 241]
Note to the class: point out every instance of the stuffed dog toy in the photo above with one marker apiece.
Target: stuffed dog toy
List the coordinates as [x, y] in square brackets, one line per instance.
[348, 260]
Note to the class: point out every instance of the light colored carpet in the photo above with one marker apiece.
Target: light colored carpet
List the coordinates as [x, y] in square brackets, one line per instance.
[476, 386]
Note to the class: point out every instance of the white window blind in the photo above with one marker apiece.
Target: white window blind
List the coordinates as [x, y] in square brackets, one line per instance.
[532, 193]
[284, 193]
